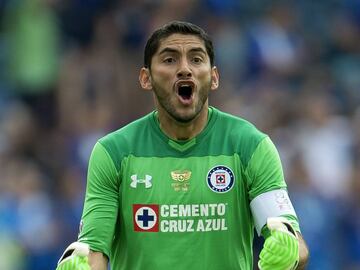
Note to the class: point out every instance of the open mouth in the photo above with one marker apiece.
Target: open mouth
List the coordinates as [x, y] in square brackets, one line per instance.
[185, 91]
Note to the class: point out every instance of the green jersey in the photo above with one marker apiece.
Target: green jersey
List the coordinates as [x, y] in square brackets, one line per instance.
[153, 203]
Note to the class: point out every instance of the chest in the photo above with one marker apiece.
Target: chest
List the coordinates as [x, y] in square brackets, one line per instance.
[179, 180]
[181, 194]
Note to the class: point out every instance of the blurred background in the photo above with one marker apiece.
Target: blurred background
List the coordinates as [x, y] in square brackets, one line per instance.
[68, 75]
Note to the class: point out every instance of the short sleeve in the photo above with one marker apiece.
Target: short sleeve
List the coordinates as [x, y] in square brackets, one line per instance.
[264, 171]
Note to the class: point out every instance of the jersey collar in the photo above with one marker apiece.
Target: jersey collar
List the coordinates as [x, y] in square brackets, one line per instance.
[185, 145]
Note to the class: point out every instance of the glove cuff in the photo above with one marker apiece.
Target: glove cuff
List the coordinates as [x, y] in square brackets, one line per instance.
[281, 224]
[74, 249]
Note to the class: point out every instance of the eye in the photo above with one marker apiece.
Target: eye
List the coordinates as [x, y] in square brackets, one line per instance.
[197, 60]
[169, 60]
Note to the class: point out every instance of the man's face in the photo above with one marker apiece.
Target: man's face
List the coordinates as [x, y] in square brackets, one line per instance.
[181, 76]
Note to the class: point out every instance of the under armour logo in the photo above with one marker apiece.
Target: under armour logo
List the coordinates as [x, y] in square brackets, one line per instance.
[146, 181]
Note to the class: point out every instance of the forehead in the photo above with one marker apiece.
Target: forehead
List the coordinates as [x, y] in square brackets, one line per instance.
[181, 41]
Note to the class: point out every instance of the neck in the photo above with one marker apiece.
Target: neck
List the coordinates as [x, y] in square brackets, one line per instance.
[183, 131]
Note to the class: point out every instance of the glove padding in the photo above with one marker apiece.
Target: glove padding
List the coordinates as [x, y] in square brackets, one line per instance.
[75, 257]
[281, 248]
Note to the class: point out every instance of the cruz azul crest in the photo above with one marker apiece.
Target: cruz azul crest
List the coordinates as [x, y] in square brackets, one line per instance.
[220, 179]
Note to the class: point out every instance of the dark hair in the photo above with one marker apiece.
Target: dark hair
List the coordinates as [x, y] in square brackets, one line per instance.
[174, 27]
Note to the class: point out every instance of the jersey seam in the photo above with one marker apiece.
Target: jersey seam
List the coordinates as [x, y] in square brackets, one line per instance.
[252, 154]
[113, 163]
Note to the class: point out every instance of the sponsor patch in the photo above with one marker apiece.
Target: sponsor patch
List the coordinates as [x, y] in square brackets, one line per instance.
[146, 217]
[179, 218]
[220, 179]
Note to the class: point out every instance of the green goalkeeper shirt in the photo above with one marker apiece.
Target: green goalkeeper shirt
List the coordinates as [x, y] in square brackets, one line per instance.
[153, 203]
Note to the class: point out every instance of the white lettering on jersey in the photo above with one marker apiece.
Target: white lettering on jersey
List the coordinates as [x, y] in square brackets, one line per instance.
[177, 225]
[176, 218]
[193, 210]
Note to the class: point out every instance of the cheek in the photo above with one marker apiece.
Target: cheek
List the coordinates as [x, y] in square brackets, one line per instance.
[204, 75]
[162, 76]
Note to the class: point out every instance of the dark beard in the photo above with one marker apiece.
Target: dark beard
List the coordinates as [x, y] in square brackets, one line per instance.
[164, 102]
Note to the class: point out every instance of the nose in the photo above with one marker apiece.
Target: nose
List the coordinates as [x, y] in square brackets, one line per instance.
[184, 70]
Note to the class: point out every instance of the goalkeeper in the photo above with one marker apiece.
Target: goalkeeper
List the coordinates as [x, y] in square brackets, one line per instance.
[185, 186]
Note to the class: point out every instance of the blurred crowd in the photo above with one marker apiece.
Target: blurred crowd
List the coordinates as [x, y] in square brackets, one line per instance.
[69, 75]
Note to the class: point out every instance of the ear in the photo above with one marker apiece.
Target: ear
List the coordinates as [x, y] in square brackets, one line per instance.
[214, 78]
[145, 79]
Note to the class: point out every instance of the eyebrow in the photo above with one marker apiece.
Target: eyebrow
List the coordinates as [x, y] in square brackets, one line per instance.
[172, 50]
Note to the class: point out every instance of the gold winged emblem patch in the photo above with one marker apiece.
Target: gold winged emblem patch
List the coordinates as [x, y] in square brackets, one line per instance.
[181, 180]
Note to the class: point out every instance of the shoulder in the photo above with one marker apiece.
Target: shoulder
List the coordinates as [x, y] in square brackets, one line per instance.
[239, 128]
[243, 136]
